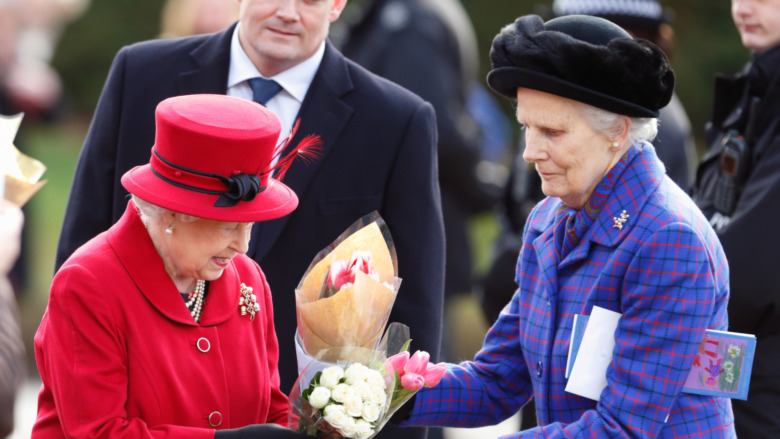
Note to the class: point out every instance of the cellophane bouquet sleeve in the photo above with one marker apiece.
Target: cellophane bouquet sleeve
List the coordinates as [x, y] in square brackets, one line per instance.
[345, 297]
[343, 305]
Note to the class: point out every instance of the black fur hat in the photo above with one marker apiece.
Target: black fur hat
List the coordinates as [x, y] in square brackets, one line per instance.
[584, 58]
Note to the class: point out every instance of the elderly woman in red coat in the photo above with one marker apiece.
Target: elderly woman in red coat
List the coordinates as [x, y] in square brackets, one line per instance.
[161, 326]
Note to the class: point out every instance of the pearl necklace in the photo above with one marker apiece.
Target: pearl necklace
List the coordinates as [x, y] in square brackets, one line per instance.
[195, 304]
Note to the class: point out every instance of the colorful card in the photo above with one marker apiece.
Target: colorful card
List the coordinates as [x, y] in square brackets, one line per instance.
[722, 366]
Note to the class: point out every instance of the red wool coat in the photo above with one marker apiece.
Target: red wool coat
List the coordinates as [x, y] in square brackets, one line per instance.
[120, 355]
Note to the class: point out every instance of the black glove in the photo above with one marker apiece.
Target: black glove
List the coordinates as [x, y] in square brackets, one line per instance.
[404, 412]
[259, 431]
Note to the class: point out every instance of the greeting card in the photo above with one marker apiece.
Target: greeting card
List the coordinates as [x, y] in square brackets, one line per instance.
[722, 366]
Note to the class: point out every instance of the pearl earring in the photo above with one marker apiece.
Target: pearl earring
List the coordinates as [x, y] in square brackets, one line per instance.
[169, 231]
[615, 145]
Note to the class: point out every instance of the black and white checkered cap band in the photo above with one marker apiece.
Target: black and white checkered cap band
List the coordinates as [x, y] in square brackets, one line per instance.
[637, 8]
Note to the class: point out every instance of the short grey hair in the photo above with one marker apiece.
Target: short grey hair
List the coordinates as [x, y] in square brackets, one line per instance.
[607, 122]
[148, 211]
[152, 212]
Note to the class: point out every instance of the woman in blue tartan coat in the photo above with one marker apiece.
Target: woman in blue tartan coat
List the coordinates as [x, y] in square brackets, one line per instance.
[614, 231]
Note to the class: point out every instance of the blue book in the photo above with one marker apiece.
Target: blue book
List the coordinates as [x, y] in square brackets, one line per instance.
[722, 366]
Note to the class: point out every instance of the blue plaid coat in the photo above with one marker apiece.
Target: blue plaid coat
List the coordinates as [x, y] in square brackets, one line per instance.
[665, 271]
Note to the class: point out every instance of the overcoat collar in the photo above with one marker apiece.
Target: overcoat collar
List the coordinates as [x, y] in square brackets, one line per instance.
[641, 178]
[135, 250]
[212, 60]
[323, 112]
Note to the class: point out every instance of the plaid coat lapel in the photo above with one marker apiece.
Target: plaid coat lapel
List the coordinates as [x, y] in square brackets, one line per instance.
[544, 245]
[639, 180]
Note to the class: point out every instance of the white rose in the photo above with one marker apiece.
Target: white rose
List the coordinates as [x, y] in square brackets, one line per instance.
[375, 379]
[378, 396]
[363, 390]
[336, 416]
[354, 406]
[355, 373]
[349, 427]
[363, 429]
[370, 411]
[341, 393]
[331, 376]
[319, 397]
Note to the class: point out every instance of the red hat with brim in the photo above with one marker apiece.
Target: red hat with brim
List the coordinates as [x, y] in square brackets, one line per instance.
[211, 159]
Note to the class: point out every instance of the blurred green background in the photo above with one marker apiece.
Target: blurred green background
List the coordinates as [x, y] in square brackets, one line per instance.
[707, 43]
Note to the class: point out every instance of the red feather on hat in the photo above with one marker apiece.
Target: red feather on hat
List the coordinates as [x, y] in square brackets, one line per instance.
[308, 149]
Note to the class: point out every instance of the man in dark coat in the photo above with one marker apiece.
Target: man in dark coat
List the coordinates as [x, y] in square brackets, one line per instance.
[379, 153]
[738, 188]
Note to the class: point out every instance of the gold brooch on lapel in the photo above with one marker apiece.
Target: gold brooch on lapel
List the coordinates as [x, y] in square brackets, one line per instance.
[619, 221]
[247, 303]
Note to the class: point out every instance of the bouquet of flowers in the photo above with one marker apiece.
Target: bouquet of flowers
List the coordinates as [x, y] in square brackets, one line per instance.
[355, 392]
[352, 378]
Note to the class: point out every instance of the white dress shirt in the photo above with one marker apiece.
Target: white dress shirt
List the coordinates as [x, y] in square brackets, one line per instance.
[295, 82]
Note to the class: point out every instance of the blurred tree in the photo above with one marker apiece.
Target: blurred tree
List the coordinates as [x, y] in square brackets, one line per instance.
[89, 44]
[707, 43]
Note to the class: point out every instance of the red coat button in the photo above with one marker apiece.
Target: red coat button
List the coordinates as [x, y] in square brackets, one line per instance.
[203, 344]
[215, 419]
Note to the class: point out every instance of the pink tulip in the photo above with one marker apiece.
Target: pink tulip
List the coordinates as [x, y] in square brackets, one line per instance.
[339, 274]
[434, 374]
[396, 363]
[412, 381]
[418, 363]
[361, 261]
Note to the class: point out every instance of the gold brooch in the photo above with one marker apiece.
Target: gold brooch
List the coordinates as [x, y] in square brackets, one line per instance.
[247, 303]
[619, 221]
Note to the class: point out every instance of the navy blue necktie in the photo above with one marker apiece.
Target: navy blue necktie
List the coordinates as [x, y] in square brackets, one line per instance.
[264, 89]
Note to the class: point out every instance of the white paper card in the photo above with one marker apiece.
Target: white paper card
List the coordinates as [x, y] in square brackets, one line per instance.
[588, 376]
[9, 125]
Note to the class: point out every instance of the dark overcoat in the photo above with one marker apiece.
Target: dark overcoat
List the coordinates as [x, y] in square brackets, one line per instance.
[749, 234]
